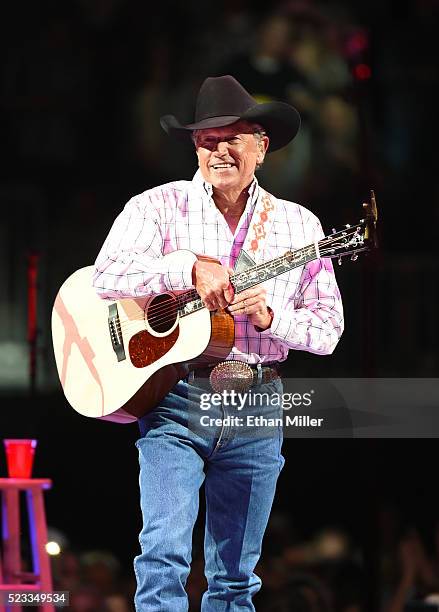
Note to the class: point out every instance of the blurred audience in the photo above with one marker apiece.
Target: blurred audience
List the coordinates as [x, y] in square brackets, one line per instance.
[94, 580]
[324, 571]
[414, 576]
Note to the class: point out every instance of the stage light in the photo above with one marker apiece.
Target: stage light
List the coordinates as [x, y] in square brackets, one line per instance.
[362, 72]
[357, 43]
[53, 548]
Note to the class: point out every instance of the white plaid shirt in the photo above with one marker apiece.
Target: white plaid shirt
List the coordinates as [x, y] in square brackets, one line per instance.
[308, 313]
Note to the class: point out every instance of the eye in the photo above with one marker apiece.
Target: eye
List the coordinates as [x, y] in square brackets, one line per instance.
[234, 140]
[206, 143]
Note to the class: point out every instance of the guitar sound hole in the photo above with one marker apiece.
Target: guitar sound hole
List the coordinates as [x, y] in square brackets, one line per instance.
[162, 313]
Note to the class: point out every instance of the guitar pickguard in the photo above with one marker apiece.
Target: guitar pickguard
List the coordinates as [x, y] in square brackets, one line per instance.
[144, 348]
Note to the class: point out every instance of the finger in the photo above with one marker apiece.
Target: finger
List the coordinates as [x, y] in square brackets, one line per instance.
[240, 299]
[229, 291]
[237, 308]
[250, 302]
[259, 290]
[229, 294]
[220, 299]
[209, 303]
[222, 302]
[247, 309]
[250, 293]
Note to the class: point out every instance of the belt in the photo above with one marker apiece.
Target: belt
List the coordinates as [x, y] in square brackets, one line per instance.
[237, 375]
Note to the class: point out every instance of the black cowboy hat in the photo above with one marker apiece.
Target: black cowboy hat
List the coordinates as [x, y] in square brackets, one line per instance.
[222, 101]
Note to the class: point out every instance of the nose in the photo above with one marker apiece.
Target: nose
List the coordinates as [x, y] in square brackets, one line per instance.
[222, 147]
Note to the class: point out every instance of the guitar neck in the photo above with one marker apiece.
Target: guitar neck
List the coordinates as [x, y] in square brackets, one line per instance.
[270, 269]
[190, 302]
[350, 241]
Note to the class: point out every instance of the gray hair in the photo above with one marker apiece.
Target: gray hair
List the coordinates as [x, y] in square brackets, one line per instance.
[259, 133]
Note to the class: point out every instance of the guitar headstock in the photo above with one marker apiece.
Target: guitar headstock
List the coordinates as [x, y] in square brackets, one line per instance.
[353, 239]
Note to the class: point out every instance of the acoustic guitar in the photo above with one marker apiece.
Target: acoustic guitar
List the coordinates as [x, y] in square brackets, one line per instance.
[117, 359]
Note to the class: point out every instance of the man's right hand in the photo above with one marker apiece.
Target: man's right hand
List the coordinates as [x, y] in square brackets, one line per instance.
[212, 283]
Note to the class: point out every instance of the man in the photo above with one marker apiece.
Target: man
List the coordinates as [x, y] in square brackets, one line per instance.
[214, 215]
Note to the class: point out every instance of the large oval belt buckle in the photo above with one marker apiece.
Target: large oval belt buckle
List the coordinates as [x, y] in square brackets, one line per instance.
[231, 376]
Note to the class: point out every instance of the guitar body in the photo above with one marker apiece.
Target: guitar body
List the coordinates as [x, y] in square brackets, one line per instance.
[117, 359]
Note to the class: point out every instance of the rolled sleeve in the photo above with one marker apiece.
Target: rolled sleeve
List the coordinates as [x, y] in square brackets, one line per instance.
[179, 274]
[312, 319]
[131, 262]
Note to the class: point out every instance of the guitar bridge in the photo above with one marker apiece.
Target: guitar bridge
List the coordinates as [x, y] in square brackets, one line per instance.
[115, 332]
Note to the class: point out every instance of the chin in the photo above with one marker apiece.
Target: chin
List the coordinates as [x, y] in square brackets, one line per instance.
[220, 182]
[223, 182]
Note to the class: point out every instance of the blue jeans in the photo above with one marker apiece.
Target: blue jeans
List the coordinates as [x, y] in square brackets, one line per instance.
[239, 465]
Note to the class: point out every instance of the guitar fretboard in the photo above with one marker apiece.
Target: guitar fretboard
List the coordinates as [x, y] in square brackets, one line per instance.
[190, 302]
[270, 269]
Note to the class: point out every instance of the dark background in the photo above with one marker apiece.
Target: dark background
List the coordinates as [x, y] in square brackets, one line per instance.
[82, 87]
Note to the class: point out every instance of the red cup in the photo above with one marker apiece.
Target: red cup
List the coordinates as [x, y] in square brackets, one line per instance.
[20, 457]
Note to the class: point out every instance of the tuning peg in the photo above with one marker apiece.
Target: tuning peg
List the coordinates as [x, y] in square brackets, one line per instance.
[339, 260]
[334, 231]
[354, 257]
[347, 225]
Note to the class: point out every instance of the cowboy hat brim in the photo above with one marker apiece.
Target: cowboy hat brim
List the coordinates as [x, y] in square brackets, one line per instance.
[281, 122]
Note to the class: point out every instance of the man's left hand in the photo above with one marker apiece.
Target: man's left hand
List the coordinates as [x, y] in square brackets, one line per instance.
[252, 302]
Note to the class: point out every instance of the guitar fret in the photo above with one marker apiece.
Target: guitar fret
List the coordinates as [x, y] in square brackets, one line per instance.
[262, 272]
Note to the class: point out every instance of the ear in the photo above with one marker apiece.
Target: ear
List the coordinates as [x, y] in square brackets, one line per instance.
[262, 148]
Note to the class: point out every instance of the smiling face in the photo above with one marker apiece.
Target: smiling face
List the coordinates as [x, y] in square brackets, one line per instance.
[228, 155]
